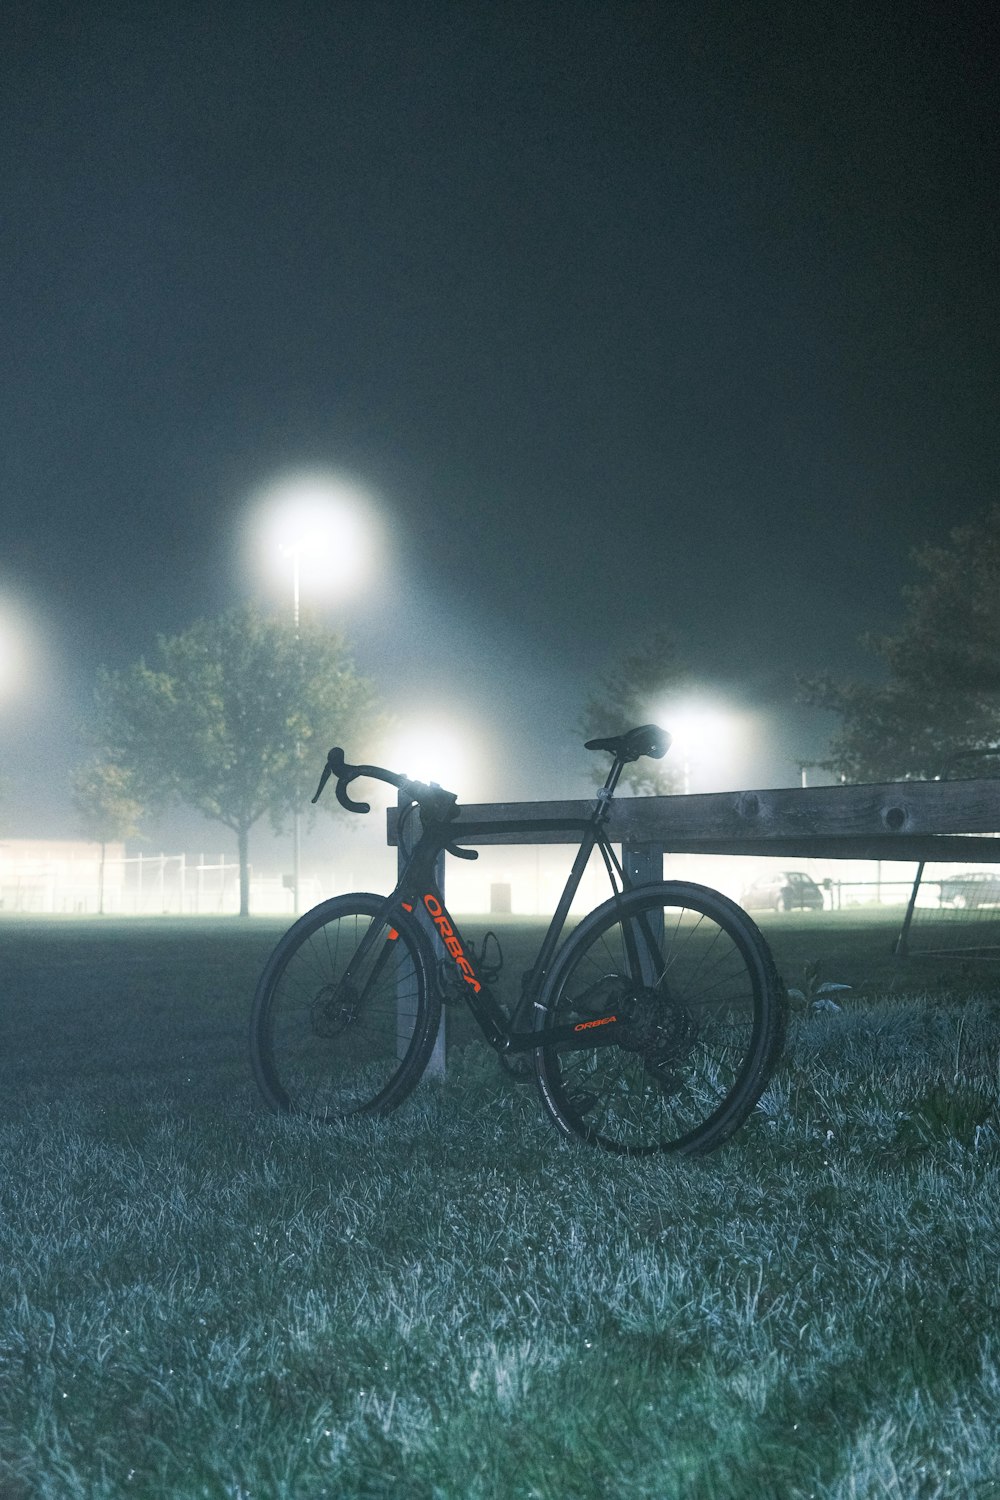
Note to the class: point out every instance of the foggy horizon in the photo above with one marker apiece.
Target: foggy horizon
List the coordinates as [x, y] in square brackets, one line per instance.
[620, 320]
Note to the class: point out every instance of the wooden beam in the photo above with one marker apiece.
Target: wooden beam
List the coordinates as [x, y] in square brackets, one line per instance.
[907, 848]
[904, 820]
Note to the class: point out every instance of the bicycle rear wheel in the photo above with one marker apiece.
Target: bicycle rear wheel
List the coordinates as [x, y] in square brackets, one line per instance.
[704, 1019]
[344, 1018]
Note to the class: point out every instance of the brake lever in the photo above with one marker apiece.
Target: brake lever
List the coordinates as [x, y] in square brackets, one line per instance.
[322, 782]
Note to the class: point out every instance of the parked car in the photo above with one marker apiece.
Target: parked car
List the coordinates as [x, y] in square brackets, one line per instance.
[980, 888]
[787, 890]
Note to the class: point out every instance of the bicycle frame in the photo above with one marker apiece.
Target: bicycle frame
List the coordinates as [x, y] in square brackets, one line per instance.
[418, 891]
[670, 976]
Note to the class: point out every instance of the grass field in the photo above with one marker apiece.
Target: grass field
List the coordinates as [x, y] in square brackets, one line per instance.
[201, 1300]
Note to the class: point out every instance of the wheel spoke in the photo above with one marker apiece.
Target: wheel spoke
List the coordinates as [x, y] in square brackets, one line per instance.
[342, 1020]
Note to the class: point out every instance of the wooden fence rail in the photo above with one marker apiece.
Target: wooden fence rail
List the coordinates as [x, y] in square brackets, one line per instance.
[897, 820]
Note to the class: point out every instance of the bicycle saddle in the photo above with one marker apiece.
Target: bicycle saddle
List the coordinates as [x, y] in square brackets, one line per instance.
[648, 739]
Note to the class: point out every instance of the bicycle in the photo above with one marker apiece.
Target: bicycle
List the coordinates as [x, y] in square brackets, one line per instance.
[654, 1026]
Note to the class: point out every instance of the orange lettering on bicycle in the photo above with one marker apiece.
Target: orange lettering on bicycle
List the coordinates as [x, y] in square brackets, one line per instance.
[601, 1021]
[450, 941]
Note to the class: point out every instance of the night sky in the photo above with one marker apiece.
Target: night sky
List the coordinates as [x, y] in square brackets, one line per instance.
[623, 315]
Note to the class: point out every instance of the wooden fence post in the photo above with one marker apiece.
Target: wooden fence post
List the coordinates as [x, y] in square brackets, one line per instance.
[643, 863]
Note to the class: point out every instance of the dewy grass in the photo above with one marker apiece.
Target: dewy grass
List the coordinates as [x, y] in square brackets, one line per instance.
[202, 1300]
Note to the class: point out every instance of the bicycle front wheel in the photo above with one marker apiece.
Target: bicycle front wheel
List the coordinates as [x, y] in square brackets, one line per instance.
[344, 1019]
[700, 1022]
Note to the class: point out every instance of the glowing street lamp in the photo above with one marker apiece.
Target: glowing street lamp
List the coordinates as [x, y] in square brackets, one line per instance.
[15, 649]
[322, 525]
[431, 751]
[702, 733]
[9, 665]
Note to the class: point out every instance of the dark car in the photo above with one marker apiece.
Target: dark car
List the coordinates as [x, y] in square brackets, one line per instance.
[981, 888]
[787, 890]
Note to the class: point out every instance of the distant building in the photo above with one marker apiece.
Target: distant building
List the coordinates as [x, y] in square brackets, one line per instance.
[39, 876]
[59, 875]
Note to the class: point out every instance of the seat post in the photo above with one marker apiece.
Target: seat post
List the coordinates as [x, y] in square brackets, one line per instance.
[617, 767]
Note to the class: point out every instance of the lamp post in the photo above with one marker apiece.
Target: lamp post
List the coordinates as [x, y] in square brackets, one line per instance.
[323, 526]
[294, 551]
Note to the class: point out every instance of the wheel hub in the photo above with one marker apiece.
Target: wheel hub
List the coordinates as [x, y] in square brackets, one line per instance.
[333, 1009]
[661, 1030]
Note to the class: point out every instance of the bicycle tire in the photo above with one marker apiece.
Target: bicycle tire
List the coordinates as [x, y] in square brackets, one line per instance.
[344, 1017]
[705, 1022]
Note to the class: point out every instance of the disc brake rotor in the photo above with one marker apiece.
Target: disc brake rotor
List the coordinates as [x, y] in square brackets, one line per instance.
[333, 1009]
[661, 1030]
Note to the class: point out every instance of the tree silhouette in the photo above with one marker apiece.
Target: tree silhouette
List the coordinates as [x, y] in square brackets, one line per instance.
[227, 717]
[632, 695]
[940, 692]
[107, 808]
